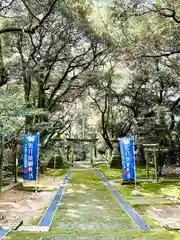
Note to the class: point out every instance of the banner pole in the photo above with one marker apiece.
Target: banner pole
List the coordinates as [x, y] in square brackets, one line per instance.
[37, 165]
[119, 139]
[135, 175]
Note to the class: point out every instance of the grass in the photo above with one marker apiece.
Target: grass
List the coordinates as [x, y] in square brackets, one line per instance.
[141, 209]
[112, 173]
[152, 190]
[34, 188]
[163, 189]
[153, 235]
[35, 221]
[148, 190]
[85, 178]
[56, 172]
[142, 173]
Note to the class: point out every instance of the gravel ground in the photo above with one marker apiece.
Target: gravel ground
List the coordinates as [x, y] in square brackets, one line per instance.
[17, 205]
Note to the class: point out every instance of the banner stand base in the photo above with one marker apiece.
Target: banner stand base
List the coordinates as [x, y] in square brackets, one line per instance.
[128, 182]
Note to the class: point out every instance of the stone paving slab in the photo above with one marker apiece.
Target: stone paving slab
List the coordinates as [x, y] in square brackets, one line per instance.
[99, 237]
[132, 236]
[149, 201]
[148, 180]
[172, 226]
[82, 165]
[167, 216]
[89, 238]
[33, 229]
[10, 186]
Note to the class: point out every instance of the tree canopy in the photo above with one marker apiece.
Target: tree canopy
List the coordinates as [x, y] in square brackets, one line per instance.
[124, 65]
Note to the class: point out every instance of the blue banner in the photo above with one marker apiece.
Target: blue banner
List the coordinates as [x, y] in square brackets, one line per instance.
[127, 157]
[31, 142]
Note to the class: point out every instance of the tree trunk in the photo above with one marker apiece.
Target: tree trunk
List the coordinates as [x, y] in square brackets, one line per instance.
[1, 167]
[3, 72]
[109, 155]
[41, 101]
[141, 155]
[115, 155]
[15, 161]
[105, 133]
[95, 151]
[68, 153]
[171, 159]
[27, 90]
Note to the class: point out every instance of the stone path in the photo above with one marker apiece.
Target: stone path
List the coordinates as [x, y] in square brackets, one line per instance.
[95, 237]
[90, 207]
[88, 211]
[168, 216]
[149, 201]
[82, 165]
[103, 236]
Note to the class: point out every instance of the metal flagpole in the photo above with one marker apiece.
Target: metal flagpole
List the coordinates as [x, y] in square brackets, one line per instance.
[83, 120]
[135, 191]
[135, 175]
[37, 163]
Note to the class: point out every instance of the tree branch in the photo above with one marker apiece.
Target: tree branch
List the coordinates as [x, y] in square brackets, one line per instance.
[6, 6]
[171, 14]
[29, 10]
[156, 55]
[3, 73]
[33, 29]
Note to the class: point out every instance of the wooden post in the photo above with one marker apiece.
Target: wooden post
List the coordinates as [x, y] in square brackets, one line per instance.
[95, 151]
[72, 155]
[147, 163]
[155, 164]
[54, 162]
[83, 117]
[68, 153]
[91, 154]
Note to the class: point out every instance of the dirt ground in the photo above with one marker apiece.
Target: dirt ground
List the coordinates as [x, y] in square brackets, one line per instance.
[165, 215]
[17, 205]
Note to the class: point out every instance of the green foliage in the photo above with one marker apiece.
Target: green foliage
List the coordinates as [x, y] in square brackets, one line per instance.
[80, 9]
[159, 3]
[13, 110]
[111, 173]
[56, 172]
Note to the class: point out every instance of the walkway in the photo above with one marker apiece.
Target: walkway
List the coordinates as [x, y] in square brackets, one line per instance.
[88, 206]
[87, 211]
